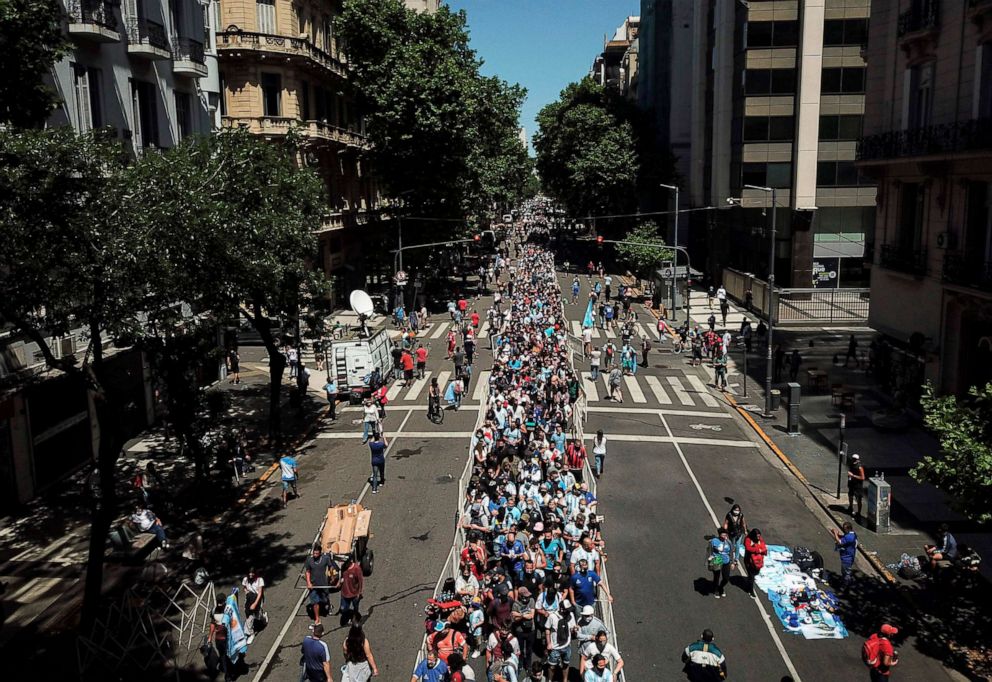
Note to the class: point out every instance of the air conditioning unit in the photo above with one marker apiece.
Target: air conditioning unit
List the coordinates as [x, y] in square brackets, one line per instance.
[946, 240]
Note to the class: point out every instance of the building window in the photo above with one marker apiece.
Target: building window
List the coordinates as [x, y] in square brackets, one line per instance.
[773, 33]
[266, 12]
[305, 100]
[328, 33]
[919, 99]
[223, 94]
[843, 80]
[86, 84]
[983, 88]
[837, 174]
[844, 127]
[184, 121]
[777, 175]
[910, 227]
[978, 230]
[770, 81]
[144, 114]
[271, 94]
[845, 32]
[768, 128]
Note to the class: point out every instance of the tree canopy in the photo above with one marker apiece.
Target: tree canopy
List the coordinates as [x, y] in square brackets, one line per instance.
[596, 151]
[641, 260]
[963, 469]
[31, 41]
[443, 136]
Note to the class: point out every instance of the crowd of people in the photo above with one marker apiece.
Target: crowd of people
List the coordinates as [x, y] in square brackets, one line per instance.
[529, 585]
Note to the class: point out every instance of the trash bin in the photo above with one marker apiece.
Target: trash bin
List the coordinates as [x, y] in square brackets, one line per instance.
[793, 408]
[879, 504]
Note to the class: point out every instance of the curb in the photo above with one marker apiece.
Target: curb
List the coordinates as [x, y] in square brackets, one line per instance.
[872, 559]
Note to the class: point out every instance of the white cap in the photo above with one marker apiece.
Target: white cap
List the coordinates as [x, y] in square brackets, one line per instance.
[588, 610]
[855, 456]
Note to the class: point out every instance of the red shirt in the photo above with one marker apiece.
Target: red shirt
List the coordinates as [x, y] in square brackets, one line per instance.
[421, 354]
[462, 304]
[475, 319]
[407, 360]
[352, 581]
[755, 552]
[576, 456]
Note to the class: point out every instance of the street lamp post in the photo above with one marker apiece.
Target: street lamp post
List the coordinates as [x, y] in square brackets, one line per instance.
[771, 299]
[675, 241]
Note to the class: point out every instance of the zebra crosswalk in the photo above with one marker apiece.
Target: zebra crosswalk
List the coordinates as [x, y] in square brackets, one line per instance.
[641, 389]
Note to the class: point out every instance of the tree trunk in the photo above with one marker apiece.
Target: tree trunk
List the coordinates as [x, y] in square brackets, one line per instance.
[277, 365]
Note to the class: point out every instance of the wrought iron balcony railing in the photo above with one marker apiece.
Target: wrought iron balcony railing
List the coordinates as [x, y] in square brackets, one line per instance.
[969, 272]
[146, 32]
[97, 12]
[961, 136]
[187, 48]
[923, 15]
[902, 259]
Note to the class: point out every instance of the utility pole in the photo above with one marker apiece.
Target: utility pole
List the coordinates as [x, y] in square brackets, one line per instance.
[771, 298]
[841, 452]
[675, 242]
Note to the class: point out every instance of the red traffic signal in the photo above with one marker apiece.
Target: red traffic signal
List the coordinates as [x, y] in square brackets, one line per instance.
[477, 237]
[599, 239]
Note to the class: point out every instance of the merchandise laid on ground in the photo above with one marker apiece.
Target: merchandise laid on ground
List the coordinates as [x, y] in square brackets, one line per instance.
[803, 607]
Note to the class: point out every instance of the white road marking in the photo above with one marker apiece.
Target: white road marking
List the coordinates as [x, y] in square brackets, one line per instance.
[610, 333]
[417, 387]
[576, 328]
[441, 326]
[772, 628]
[442, 381]
[394, 390]
[482, 385]
[352, 435]
[703, 392]
[686, 440]
[680, 391]
[589, 386]
[659, 393]
[636, 394]
[484, 330]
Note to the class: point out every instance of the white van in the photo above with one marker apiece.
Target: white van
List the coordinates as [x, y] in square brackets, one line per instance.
[353, 361]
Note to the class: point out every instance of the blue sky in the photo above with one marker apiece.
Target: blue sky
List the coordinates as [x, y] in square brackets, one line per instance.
[542, 44]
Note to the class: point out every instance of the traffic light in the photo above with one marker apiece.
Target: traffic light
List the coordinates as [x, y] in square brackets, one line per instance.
[477, 237]
[599, 240]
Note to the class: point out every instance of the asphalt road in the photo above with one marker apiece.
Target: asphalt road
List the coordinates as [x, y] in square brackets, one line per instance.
[677, 458]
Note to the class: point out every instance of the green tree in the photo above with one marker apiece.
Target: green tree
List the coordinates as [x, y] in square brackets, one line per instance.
[75, 259]
[31, 41]
[441, 133]
[963, 469]
[642, 260]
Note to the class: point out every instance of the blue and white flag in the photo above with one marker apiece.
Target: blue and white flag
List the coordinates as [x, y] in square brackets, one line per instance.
[588, 320]
[237, 640]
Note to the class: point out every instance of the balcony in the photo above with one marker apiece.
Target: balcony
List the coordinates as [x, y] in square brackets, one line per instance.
[939, 140]
[316, 131]
[188, 58]
[968, 271]
[93, 20]
[147, 39]
[918, 27]
[901, 259]
[236, 43]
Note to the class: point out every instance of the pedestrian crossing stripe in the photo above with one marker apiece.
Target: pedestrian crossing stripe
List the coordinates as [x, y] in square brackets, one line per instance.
[484, 330]
[441, 327]
[589, 386]
[680, 391]
[610, 334]
[418, 386]
[703, 392]
[576, 328]
[659, 393]
[442, 381]
[634, 390]
[394, 390]
[644, 331]
[481, 385]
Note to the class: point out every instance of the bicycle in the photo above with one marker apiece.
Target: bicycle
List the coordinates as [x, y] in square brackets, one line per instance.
[434, 411]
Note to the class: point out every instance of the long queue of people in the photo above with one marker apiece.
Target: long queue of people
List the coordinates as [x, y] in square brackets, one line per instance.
[529, 578]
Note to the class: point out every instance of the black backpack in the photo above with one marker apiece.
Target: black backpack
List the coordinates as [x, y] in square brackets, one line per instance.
[561, 631]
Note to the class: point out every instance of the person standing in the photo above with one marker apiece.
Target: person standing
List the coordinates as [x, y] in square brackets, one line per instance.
[599, 453]
[724, 310]
[377, 449]
[315, 571]
[855, 484]
[331, 390]
[846, 543]
[720, 372]
[794, 361]
[370, 420]
[406, 360]
[234, 366]
[645, 349]
[779, 361]
[736, 527]
[719, 562]
[852, 351]
[293, 358]
[359, 662]
[469, 350]
[459, 360]
[747, 334]
[595, 358]
[879, 654]
[587, 340]
[352, 587]
[290, 472]
[421, 353]
[316, 657]
[704, 662]
[430, 669]
[254, 587]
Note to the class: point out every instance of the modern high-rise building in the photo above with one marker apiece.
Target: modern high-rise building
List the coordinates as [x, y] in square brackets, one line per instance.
[928, 146]
[616, 66]
[767, 93]
[145, 70]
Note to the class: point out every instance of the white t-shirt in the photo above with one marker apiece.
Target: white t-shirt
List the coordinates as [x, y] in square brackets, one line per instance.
[552, 627]
[591, 556]
[599, 446]
[371, 413]
[594, 357]
[721, 294]
[255, 585]
[144, 519]
[587, 334]
[609, 652]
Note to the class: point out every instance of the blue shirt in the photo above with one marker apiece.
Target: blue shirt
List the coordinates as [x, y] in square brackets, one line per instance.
[288, 464]
[426, 674]
[584, 587]
[516, 548]
[848, 547]
[721, 548]
[314, 654]
[378, 450]
[559, 441]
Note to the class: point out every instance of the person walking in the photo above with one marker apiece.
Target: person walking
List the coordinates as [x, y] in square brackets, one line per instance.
[710, 295]
[290, 472]
[359, 662]
[599, 453]
[720, 371]
[794, 361]
[254, 588]
[645, 349]
[315, 571]
[331, 391]
[370, 420]
[724, 310]
[846, 543]
[352, 587]
[747, 334]
[779, 362]
[234, 366]
[595, 357]
[407, 362]
[616, 377]
[377, 450]
[704, 662]
[718, 562]
[293, 358]
[316, 657]
[755, 551]
[852, 351]
[879, 654]
[421, 354]
[855, 484]
[458, 359]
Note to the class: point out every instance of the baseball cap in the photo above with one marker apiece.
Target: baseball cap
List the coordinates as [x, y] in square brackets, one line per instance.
[887, 629]
[588, 610]
[538, 527]
[855, 456]
[523, 592]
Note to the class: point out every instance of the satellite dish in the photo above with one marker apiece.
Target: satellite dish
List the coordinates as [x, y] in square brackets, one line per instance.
[361, 303]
